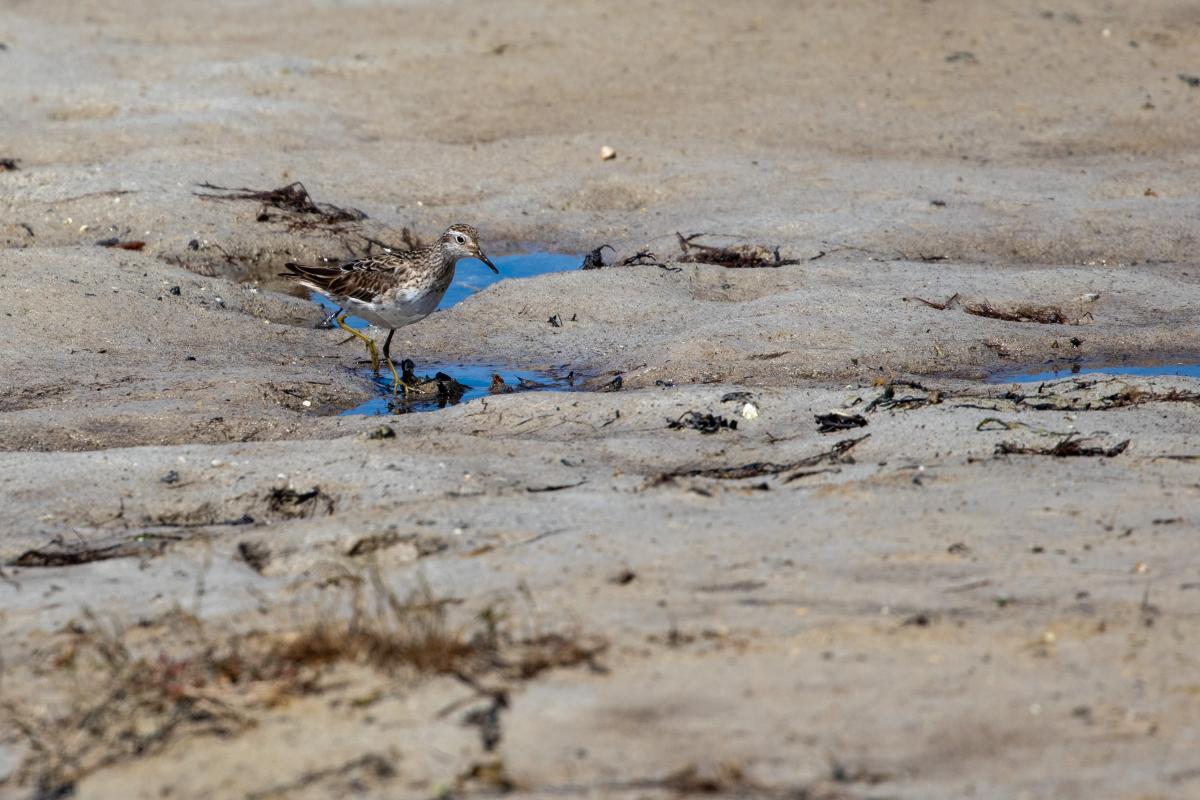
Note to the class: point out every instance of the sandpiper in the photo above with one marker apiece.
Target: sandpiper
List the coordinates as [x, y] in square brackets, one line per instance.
[394, 289]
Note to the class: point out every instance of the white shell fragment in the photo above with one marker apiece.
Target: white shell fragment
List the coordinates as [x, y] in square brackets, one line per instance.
[607, 153]
[750, 411]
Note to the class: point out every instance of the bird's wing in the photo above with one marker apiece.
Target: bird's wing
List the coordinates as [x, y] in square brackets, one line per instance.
[361, 284]
[363, 279]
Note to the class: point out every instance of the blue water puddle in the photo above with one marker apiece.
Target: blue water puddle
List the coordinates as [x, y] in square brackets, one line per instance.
[1181, 369]
[472, 276]
[476, 379]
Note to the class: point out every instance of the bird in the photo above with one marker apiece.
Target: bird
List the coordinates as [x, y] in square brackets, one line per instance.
[392, 289]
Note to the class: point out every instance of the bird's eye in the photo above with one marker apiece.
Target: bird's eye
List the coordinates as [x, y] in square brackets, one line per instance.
[461, 239]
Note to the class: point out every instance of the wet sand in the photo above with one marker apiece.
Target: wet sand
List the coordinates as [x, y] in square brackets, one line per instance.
[770, 610]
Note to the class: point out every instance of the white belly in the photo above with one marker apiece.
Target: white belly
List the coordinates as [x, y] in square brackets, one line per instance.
[396, 312]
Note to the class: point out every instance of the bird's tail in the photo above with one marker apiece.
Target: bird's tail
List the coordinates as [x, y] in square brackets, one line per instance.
[315, 278]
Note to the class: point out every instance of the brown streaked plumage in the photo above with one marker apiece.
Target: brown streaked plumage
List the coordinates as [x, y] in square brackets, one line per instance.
[393, 289]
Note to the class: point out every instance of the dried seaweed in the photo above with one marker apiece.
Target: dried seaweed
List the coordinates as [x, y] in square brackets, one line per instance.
[942, 306]
[411, 242]
[838, 454]
[9, 164]
[256, 555]
[888, 398]
[595, 258]
[498, 386]
[839, 421]
[69, 555]
[1127, 396]
[1018, 312]
[642, 258]
[740, 256]
[1071, 445]
[558, 487]
[441, 388]
[997, 424]
[296, 204]
[924, 258]
[705, 423]
[646, 258]
[606, 384]
[382, 432]
[292, 503]
[115, 242]
[1021, 312]
[352, 777]
[134, 699]
[725, 780]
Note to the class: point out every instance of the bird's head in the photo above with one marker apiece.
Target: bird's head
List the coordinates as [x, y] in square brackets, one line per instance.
[462, 241]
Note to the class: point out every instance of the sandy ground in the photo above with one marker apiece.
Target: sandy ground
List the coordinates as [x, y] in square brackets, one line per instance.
[619, 608]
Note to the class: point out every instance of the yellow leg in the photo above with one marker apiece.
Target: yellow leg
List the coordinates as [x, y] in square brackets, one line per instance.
[397, 384]
[367, 340]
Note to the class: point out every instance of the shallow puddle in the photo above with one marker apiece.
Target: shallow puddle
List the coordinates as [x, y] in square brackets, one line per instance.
[1186, 369]
[474, 380]
[471, 276]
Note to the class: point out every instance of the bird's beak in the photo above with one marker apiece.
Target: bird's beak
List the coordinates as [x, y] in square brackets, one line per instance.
[479, 254]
